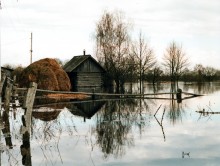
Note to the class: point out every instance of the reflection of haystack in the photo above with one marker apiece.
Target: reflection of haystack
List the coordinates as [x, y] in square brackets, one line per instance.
[47, 73]
[46, 115]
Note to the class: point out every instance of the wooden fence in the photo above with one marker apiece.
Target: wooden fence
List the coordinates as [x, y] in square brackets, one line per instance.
[9, 91]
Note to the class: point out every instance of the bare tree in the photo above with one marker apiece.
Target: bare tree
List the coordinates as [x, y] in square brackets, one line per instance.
[112, 45]
[210, 73]
[144, 55]
[199, 71]
[175, 61]
[155, 73]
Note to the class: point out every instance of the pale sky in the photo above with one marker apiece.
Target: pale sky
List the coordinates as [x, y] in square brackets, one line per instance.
[62, 29]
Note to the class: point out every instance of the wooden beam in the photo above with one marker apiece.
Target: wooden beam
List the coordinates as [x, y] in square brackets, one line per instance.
[28, 106]
[29, 98]
[8, 91]
[2, 83]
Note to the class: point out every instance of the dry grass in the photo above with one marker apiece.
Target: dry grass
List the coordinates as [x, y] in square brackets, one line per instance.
[67, 96]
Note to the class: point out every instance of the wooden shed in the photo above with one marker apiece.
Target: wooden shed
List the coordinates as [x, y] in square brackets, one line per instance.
[85, 73]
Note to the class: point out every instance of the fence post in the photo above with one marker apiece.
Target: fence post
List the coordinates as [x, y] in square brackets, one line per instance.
[179, 95]
[14, 94]
[26, 120]
[2, 84]
[8, 90]
[14, 89]
[28, 106]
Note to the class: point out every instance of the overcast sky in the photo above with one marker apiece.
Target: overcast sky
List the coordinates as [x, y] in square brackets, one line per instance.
[62, 29]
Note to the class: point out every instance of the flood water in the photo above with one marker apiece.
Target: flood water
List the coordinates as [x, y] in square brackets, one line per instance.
[120, 132]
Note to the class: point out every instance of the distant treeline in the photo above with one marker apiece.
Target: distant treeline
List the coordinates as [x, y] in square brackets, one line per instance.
[198, 74]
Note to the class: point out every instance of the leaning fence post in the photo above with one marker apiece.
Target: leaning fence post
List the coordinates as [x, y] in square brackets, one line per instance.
[2, 83]
[14, 89]
[28, 106]
[26, 120]
[14, 94]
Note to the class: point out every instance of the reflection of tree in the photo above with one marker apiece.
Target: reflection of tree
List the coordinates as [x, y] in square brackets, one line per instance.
[114, 123]
[142, 111]
[203, 88]
[175, 106]
[154, 88]
[141, 121]
[112, 136]
[47, 133]
[175, 112]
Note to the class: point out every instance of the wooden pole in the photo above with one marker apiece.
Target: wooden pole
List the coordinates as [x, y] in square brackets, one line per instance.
[0, 77]
[0, 47]
[26, 120]
[179, 95]
[140, 69]
[8, 91]
[31, 51]
[2, 83]
[28, 106]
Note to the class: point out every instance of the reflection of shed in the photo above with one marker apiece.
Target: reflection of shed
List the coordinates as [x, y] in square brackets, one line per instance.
[85, 73]
[86, 109]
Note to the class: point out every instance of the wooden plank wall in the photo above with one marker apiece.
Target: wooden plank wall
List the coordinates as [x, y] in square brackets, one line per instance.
[88, 66]
[89, 79]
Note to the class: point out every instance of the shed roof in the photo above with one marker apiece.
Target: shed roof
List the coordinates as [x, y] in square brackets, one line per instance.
[77, 60]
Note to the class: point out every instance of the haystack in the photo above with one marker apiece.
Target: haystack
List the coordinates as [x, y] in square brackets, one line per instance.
[47, 73]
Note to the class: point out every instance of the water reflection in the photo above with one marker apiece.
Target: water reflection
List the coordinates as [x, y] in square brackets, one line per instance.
[85, 109]
[45, 115]
[113, 124]
[175, 111]
[194, 87]
[47, 130]
[6, 129]
[161, 122]
[206, 111]
[26, 150]
[113, 128]
[202, 88]
[118, 130]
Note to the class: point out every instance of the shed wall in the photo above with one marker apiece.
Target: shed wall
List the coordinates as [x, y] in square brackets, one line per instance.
[89, 79]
